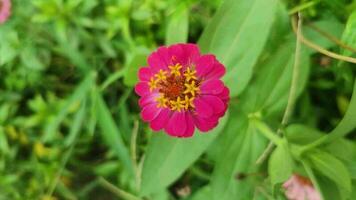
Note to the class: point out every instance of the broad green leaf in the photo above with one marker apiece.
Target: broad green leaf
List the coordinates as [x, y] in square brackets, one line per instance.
[111, 134]
[76, 98]
[239, 157]
[168, 157]
[237, 35]
[177, 28]
[277, 171]
[332, 168]
[137, 60]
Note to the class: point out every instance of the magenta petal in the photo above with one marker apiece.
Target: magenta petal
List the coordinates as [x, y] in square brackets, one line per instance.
[216, 103]
[160, 121]
[150, 112]
[144, 74]
[193, 52]
[214, 86]
[142, 89]
[202, 108]
[190, 126]
[177, 124]
[145, 100]
[204, 65]
[156, 62]
[205, 125]
[217, 72]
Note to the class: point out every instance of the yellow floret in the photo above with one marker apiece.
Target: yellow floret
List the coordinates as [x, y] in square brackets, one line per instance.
[190, 74]
[175, 69]
[152, 84]
[177, 105]
[161, 75]
[162, 101]
[191, 88]
[188, 102]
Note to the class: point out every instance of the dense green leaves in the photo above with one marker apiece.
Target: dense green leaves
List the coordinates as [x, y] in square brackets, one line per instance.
[167, 157]
[236, 35]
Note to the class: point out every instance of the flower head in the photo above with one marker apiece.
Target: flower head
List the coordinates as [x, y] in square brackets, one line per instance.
[300, 188]
[5, 7]
[180, 89]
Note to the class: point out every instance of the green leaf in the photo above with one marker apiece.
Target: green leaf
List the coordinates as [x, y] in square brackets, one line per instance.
[277, 171]
[111, 134]
[177, 28]
[236, 35]
[301, 134]
[168, 157]
[349, 35]
[137, 60]
[239, 157]
[332, 168]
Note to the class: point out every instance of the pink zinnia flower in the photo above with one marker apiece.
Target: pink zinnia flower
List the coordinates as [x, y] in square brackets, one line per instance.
[300, 188]
[5, 6]
[181, 89]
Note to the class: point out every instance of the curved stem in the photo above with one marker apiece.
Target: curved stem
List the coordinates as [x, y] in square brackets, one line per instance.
[292, 92]
[331, 37]
[321, 49]
[117, 191]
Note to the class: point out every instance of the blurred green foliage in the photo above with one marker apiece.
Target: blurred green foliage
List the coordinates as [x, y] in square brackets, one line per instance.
[69, 120]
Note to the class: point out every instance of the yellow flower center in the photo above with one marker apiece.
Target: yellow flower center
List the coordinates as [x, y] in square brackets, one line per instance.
[176, 92]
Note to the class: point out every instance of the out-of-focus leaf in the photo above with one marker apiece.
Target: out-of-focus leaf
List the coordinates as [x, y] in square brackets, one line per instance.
[111, 134]
[236, 35]
[168, 157]
[76, 98]
[280, 165]
[137, 60]
[177, 28]
[76, 126]
[332, 168]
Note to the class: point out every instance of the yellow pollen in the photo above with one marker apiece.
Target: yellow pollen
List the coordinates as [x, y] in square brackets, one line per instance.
[188, 102]
[175, 69]
[177, 105]
[191, 88]
[162, 101]
[161, 75]
[190, 74]
[153, 84]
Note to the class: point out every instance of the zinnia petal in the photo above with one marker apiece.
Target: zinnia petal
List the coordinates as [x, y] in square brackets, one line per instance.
[177, 124]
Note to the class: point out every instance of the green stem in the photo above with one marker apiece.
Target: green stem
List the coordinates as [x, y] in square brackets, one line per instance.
[267, 132]
[302, 7]
[292, 92]
[117, 191]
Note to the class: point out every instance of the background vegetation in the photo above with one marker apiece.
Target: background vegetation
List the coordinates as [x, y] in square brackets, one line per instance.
[69, 120]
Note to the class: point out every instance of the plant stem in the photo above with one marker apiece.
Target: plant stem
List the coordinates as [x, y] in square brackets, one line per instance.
[302, 7]
[117, 191]
[292, 92]
[321, 49]
[331, 37]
